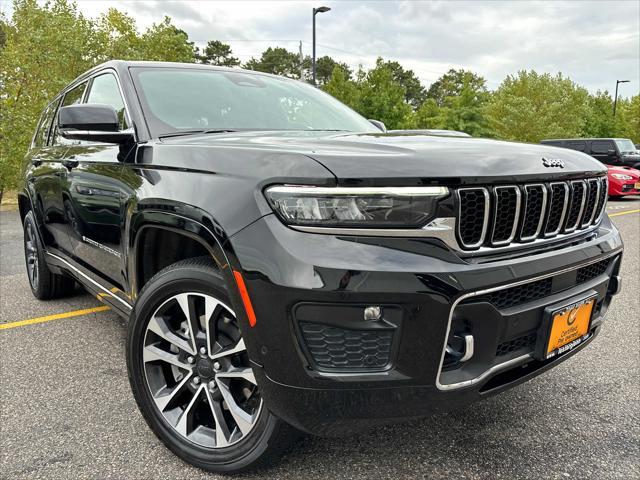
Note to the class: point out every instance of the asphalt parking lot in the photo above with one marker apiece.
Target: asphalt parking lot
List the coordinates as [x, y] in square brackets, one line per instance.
[67, 411]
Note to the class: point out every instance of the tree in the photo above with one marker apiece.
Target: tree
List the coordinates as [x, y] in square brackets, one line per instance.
[530, 106]
[218, 53]
[382, 98]
[451, 83]
[599, 121]
[630, 115]
[278, 61]
[342, 87]
[414, 92]
[325, 67]
[29, 79]
[165, 42]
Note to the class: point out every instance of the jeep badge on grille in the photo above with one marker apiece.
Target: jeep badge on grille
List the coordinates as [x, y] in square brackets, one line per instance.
[552, 162]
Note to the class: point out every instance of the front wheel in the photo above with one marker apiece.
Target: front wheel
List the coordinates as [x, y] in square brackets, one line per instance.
[191, 375]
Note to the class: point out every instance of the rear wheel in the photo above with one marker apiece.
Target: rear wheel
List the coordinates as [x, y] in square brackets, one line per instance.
[191, 375]
[44, 284]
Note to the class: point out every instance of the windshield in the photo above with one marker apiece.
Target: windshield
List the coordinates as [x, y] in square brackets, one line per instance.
[625, 146]
[188, 99]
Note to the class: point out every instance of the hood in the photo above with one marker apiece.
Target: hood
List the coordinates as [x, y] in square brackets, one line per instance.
[363, 158]
[625, 171]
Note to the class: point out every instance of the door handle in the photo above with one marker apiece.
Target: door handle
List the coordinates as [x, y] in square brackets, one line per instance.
[70, 163]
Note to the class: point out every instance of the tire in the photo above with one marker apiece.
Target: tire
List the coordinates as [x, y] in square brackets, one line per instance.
[45, 285]
[164, 358]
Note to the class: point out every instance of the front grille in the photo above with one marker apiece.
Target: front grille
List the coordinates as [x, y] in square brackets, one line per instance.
[503, 215]
[527, 342]
[339, 348]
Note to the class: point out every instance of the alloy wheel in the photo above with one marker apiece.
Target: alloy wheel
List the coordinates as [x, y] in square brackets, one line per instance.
[31, 255]
[198, 371]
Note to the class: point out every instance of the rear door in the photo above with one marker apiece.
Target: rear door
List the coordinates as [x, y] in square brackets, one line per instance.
[602, 150]
[45, 183]
[95, 192]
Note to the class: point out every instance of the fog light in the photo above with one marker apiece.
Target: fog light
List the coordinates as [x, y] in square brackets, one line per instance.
[373, 313]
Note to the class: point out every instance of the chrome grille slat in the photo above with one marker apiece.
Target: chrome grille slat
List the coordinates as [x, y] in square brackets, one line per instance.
[503, 208]
[593, 192]
[531, 213]
[467, 237]
[564, 204]
[506, 215]
[576, 206]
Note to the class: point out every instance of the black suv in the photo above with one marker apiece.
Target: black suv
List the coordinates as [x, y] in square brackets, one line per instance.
[285, 265]
[619, 152]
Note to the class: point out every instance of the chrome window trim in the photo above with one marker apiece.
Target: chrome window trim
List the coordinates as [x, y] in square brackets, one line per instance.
[604, 183]
[568, 229]
[542, 213]
[514, 228]
[590, 182]
[514, 361]
[565, 205]
[485, 223]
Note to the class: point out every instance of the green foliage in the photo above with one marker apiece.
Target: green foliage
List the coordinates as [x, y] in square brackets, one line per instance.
[629, 112]
[218, 53]
[325, 66]
[414, 92]
[382, 98]
[529, 107]
[342, 87]
[44, 46]
[47, 46]
[464, 111]
[451, 84]
[278, 61]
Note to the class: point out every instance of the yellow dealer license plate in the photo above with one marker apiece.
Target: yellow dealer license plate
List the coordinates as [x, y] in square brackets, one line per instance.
[569, 327]
[637, 186]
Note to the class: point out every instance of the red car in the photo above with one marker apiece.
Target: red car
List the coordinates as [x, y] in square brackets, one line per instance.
[623, 181]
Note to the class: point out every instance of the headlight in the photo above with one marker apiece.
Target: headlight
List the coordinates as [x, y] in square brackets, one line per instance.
[622, 176]
[374, 207]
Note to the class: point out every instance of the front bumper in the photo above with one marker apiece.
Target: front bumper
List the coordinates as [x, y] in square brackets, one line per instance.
[325, 370]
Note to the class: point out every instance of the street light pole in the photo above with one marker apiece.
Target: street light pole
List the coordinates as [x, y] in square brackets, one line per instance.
[615, 100]
[313, 60]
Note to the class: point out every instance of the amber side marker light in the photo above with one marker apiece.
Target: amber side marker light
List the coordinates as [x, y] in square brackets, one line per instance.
[245, 298]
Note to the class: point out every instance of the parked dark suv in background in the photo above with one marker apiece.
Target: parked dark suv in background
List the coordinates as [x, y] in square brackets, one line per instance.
[285, 265]
[620, 152]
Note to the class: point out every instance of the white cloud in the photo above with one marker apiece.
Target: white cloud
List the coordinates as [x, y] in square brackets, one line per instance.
[593, 43]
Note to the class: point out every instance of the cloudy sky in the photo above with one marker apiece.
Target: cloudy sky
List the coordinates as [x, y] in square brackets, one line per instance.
[592, 42]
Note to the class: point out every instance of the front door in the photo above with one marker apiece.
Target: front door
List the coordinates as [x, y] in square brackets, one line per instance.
[93, 192]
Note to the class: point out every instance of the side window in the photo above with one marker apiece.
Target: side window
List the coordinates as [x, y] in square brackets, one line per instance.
[104, 89]
[580, 146]
[72, 97]
[42, 134]
[602, 146]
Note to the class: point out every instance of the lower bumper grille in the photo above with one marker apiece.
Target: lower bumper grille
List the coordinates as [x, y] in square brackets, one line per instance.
[339, 348]
[511, 297]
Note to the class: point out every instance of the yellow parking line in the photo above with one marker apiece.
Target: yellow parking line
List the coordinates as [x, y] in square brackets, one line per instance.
[623, 213]
[48, 318]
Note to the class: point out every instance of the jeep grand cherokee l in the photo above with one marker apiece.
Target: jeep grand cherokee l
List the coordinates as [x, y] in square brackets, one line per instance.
[284, 265]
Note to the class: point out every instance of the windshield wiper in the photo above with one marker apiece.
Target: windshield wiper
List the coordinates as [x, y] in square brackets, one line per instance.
[198, 132]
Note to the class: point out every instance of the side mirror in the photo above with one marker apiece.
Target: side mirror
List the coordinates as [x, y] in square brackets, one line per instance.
[612, 153]
[92, 121]
[378, 124]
